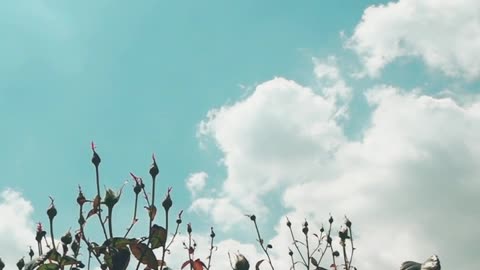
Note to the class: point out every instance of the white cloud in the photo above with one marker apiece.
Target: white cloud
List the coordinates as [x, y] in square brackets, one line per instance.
[196, 182]
[444, 33]
[282, 133]
[16, 227]
[410, 185]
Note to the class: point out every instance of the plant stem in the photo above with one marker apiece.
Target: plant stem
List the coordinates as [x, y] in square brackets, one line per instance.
[99, 206]
[261, 244]
[353, 248]
[51, 233]
[296, 246]
[166, 233]
[308, 251]
[110, 229]
[134, 216]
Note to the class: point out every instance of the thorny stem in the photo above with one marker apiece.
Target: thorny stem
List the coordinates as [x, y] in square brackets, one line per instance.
[345, 259]
[325, 250]
[166, 233]
[308, 251]
[296, 246]
[261, 244]
[211, 249]
[353, 248]
[134, 216]
[173, 237]
[89, 246]
[190, 253]
[99, 206]
[293, 262]
[151, 220]
[333, 257]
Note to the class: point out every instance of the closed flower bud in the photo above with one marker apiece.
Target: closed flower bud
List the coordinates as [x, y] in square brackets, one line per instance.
[330, 220]
[212, 234]
[67, 238]
[167, 203]
[290, 252]
[154, 169]
[289, 224]
[305, 230]
[20, 264]
[253, 218]
[348, 223]
[189, 228]
[31, 253]
[96, 158]
[80, 198]
[111, 198]
[51, 211]
[322, 229]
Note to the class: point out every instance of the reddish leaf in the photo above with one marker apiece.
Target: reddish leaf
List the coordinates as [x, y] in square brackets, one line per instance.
[187, 262]
[138, 249]
[198, 265]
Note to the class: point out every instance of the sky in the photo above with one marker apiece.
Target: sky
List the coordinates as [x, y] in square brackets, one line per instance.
[369, 109]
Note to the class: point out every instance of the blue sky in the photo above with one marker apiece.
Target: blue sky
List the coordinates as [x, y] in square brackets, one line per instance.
[140, 78]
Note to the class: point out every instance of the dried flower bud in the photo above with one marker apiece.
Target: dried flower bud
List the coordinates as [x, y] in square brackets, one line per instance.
[348, 223]
[241, 263]
[154, 169]
[322, 229]
[40, 233]
[96, 158]
[189, 228]
[212, 233]
[289, 224]
[290, 252]
[31, 253]
[80, 198]
[330, 220]
[20, 264]
[51, 211]
[253, 218]
[167, 203]
[67, 238]
[329, 239]
[336, 253]
[305, 230]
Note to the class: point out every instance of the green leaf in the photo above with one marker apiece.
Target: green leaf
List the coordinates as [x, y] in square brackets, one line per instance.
[53, 255]
[49, 266]
[67, 260]
[119, 242]
[121, 259]
[144, 254]
[158, 236]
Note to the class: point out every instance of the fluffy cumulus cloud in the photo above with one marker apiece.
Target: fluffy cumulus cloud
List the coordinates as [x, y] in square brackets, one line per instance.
[196, 182]
[444, 33]
[16, 226]
[410, 184]
[282, 133]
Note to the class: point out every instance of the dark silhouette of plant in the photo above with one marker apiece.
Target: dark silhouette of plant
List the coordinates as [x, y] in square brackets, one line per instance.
[115, 249]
